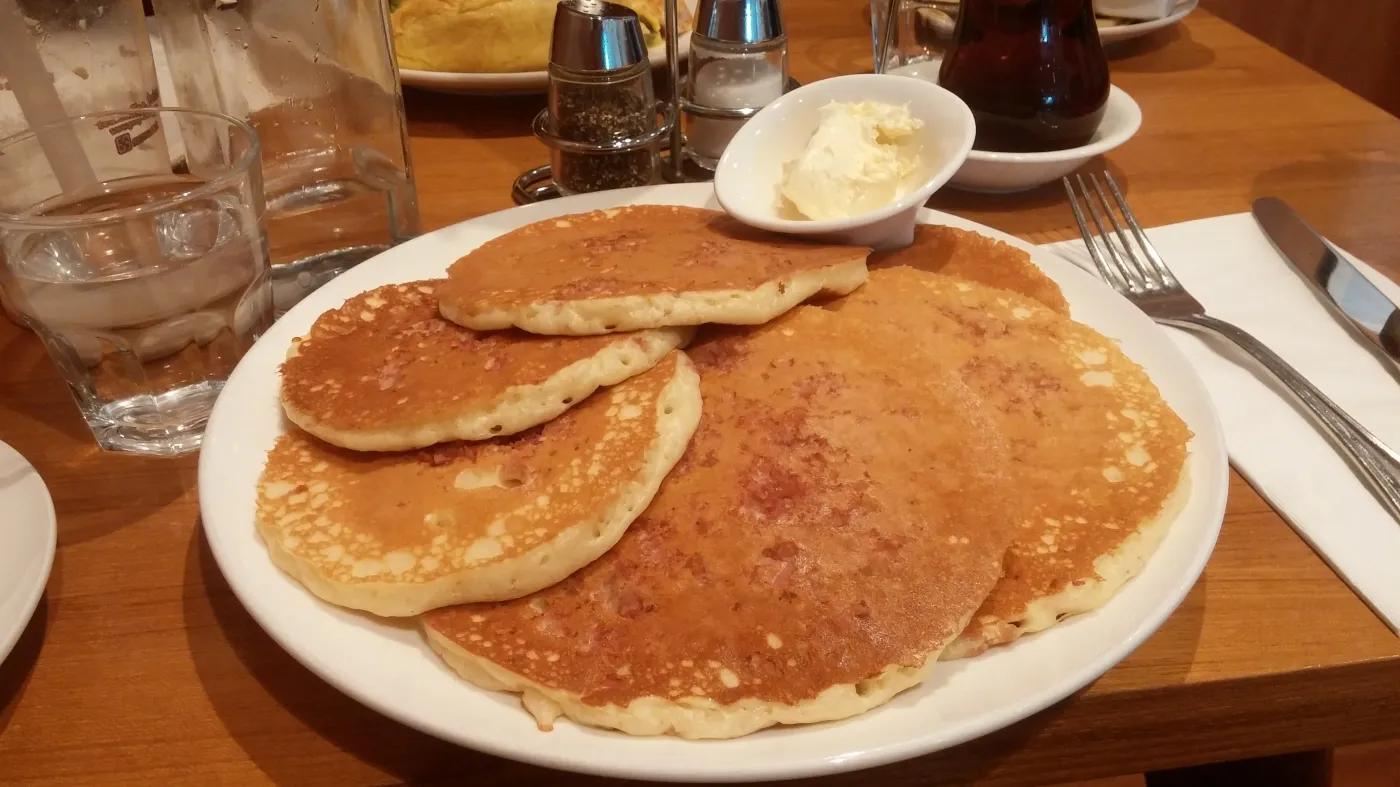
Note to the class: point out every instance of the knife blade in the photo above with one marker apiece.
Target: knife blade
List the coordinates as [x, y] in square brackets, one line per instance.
[1337, 282]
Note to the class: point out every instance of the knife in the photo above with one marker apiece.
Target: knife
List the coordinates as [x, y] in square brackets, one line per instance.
[1336, 281]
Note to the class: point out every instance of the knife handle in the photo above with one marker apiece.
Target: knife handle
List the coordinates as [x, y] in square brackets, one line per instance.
[1377, 463]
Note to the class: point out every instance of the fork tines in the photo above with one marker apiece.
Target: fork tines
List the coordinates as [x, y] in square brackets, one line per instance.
[1129, 264]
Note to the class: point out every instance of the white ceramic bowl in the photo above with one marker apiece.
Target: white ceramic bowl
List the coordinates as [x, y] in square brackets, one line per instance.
[748, 175]
[1004, 173]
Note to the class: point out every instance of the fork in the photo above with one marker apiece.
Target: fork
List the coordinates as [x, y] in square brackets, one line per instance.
[1137, 271]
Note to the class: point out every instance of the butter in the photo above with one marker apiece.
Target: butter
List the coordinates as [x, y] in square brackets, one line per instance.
[862, 157]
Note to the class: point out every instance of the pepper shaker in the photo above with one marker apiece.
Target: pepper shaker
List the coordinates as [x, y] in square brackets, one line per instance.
[601, 122]
[738, 64]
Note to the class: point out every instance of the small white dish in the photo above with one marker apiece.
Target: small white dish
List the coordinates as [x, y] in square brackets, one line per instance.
[748, 175]
[994, 172]
[28, 538]
[1004, 173]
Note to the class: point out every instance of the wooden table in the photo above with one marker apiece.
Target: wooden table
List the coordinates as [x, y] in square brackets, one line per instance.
[141, 666]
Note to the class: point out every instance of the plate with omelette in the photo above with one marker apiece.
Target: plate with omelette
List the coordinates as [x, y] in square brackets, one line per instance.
[499, 46]
[617, 485]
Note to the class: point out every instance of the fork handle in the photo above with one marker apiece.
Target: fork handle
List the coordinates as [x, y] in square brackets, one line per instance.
[1378, 464]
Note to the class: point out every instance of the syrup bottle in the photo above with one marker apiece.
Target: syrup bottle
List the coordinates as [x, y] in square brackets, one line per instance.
[1033, 72]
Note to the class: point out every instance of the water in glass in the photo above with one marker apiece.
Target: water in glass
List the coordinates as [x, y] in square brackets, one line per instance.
[147, 316]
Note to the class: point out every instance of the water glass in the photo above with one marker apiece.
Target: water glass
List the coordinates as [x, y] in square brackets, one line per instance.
[145, 270]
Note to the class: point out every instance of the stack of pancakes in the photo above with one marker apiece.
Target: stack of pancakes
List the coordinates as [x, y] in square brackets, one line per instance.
[934, 463]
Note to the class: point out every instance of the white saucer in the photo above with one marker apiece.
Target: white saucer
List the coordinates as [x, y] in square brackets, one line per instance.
[28, 538]
[1114, 33]
[993, 172]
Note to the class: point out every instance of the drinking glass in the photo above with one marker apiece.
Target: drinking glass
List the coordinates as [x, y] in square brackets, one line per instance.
[317, 82]
[147, 278]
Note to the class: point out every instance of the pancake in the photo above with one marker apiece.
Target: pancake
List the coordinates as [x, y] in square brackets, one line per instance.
[398, 534]
[645, 266]
[1097, 454]
[385, 372]
[977, 258]
[838, 517]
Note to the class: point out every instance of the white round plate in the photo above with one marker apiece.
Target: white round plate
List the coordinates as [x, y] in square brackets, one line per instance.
[28, 538]
[1110, 35]
[1114, 33]
[387, 666]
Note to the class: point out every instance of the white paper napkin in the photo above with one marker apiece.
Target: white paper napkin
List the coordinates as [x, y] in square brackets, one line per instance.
[1229, 265]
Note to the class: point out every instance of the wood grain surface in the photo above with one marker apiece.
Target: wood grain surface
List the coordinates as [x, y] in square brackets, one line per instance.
[141, 666]
[1356, 43]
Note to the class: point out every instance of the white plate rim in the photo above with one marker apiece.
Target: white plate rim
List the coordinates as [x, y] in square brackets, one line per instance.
[1116, 33]
[32, 489]
[1109, 35]
[511, 82]
[275, 602]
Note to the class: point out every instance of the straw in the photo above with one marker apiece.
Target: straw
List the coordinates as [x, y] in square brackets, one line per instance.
[886, 36]
[45, 114]
[673, 59]
[38, 100]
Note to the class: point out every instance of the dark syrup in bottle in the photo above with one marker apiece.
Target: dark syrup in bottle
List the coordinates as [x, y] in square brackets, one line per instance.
[1033, 72]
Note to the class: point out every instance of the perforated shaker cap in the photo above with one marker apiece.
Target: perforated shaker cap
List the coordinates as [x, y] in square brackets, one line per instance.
[592, 35]
[739, 21]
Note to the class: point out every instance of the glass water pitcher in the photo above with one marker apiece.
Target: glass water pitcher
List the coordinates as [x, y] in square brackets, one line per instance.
[318, 83]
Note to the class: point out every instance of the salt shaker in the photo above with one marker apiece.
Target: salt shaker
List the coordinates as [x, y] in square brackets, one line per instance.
[601, 122]
[738, 61]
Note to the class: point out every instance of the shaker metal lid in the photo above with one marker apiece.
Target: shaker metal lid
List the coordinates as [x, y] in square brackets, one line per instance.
[739, 21]
[592, 35]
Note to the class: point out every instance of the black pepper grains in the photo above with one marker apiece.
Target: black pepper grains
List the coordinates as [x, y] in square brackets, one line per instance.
[602, 114]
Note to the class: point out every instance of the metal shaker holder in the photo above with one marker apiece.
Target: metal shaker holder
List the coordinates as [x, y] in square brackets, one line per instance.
[725, 21]
[537, 184]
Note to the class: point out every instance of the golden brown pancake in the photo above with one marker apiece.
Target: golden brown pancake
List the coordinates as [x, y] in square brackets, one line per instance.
[1096, 452]
[977, 258]
[385, 372]
[645, 266]
[840, 513]
[402, 533]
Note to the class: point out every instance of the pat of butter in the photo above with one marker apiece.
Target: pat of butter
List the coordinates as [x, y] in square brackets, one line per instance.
[860, 158]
